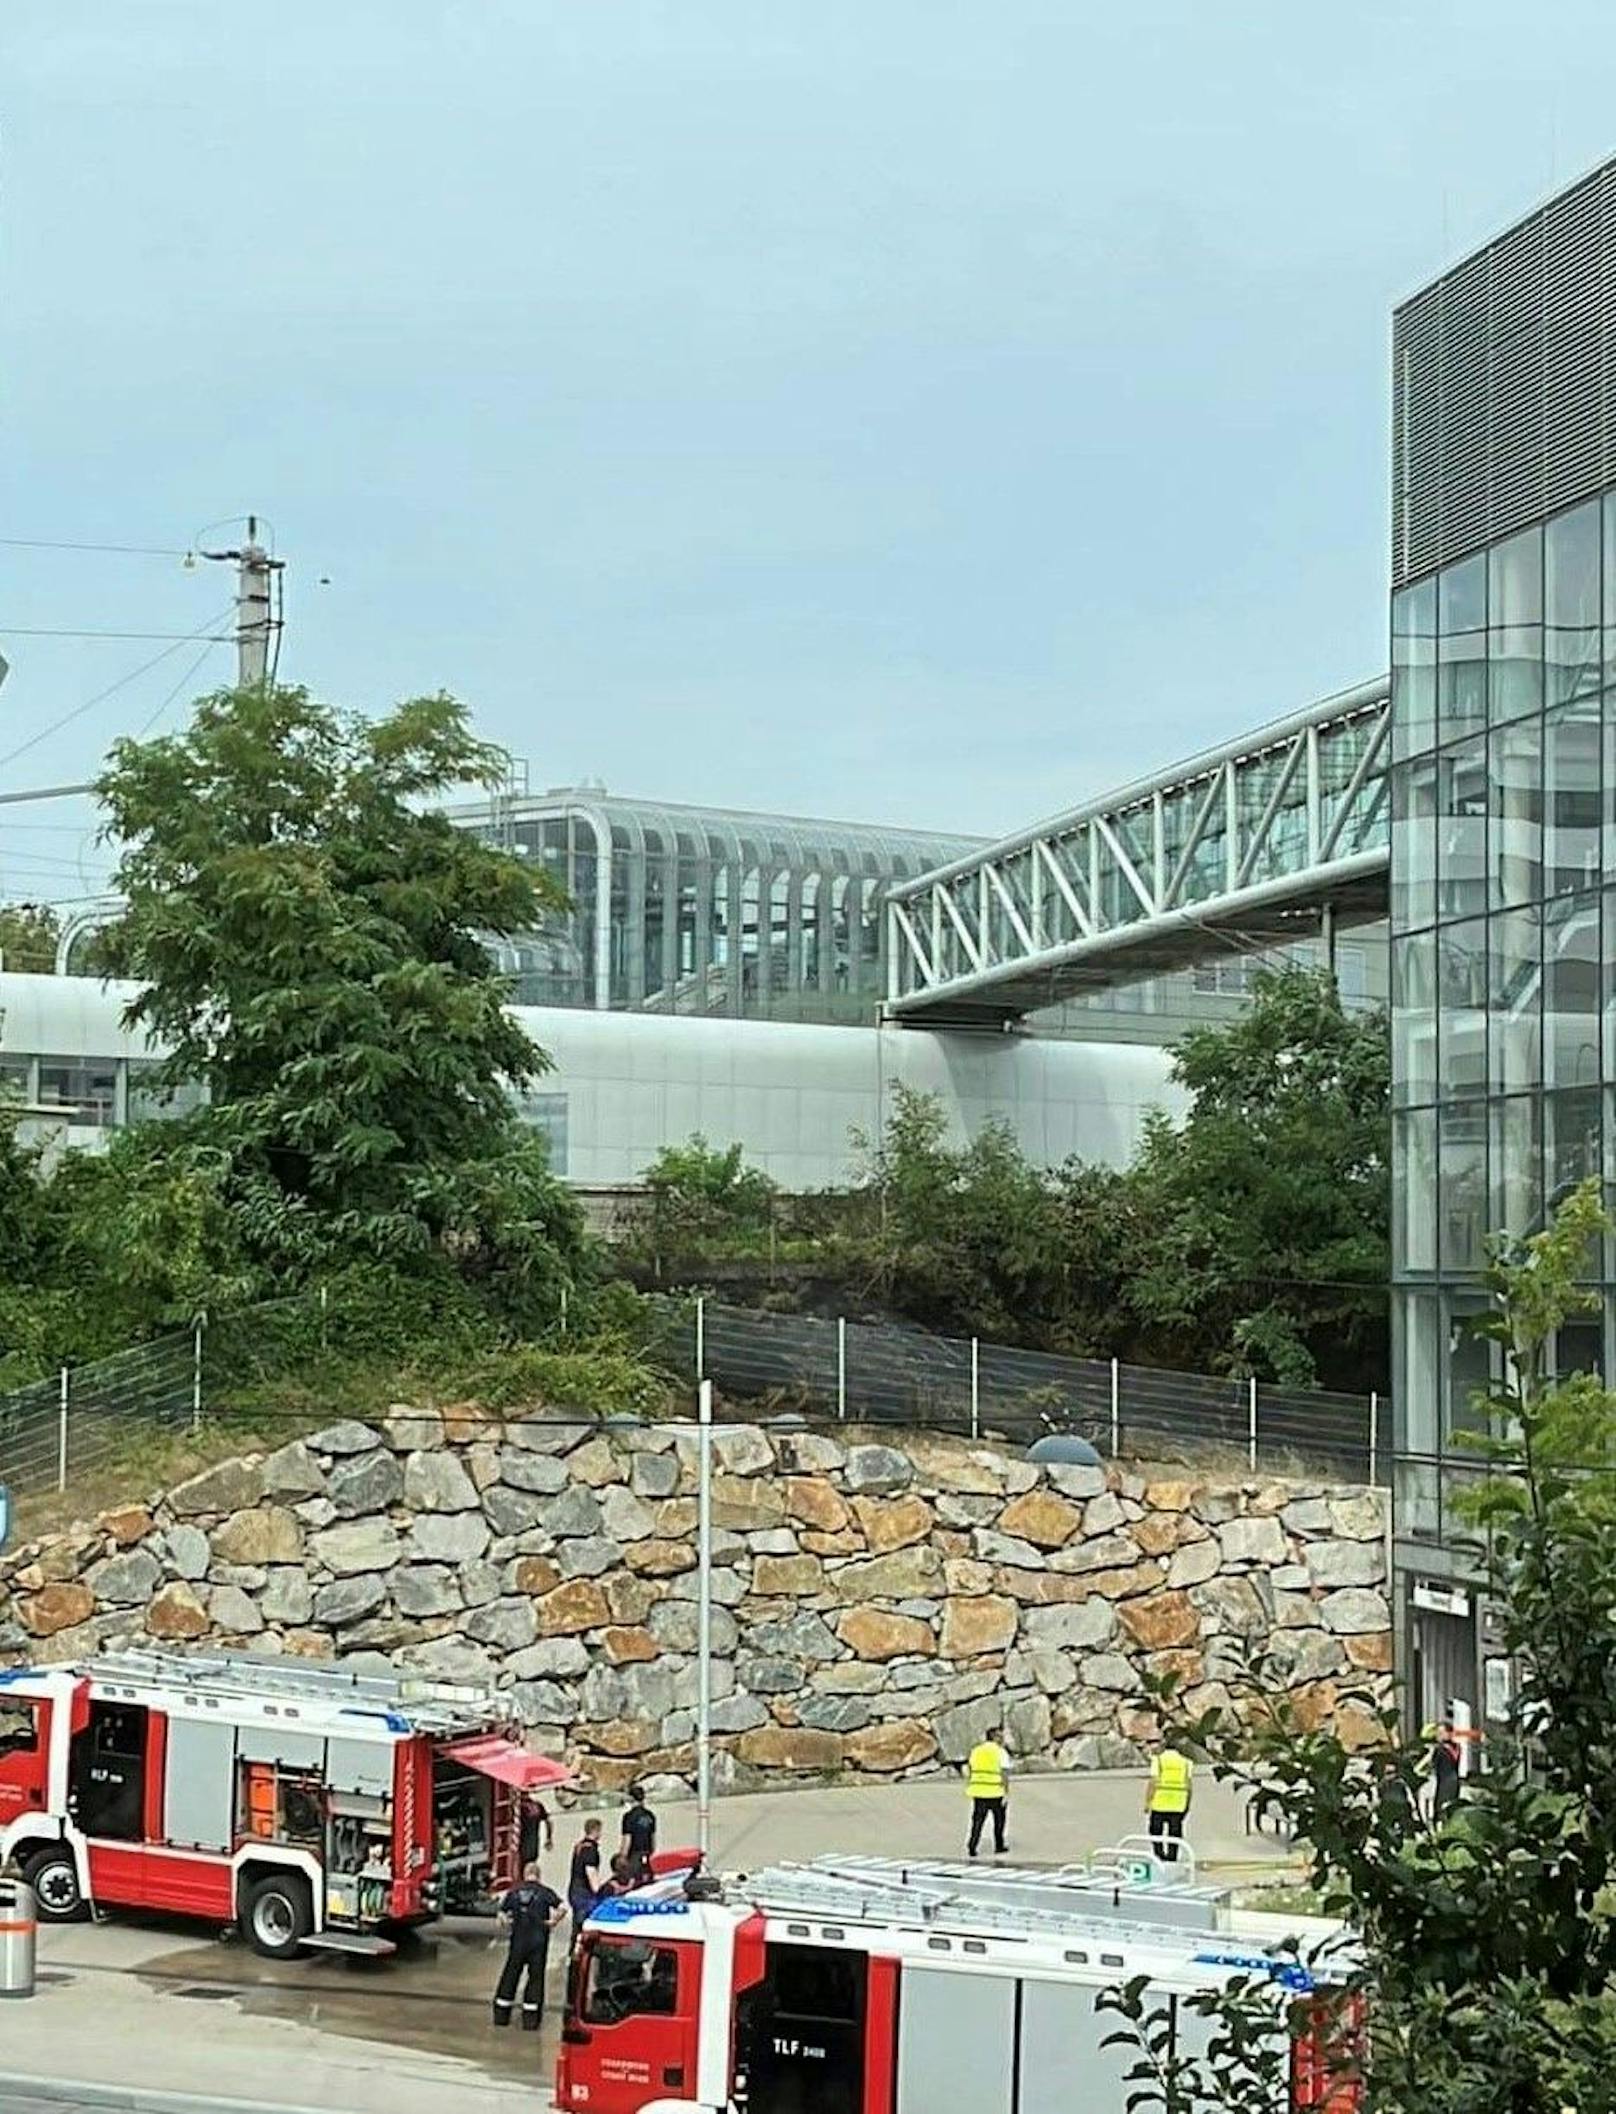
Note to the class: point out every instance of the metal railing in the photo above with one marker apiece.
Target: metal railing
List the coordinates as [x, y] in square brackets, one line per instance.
[57, 1429]
[865, 1373]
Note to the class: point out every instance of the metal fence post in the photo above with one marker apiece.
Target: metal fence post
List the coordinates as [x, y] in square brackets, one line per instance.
[976, 1388]
[563, 1306]
[701, 1338]
[1116, 1409]
[196, 1371]
[325, 1308]
[61, 1436]
[1251, 1424]
[841, 1368]
[1374, 1438]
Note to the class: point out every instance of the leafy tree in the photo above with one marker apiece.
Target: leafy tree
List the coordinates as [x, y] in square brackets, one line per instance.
[1263, 1213]
[966, 1238]
[306, 937]
[701, 1196]
[28, 936]
[1488, 1939]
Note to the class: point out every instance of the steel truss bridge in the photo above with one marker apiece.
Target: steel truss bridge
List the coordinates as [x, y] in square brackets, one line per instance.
[1270, 839]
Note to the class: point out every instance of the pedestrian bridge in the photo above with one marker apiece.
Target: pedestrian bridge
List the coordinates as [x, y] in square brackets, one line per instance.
[1270, 839]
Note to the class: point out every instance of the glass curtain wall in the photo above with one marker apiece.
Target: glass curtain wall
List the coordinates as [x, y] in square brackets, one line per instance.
[1503, 940]
[690, 910]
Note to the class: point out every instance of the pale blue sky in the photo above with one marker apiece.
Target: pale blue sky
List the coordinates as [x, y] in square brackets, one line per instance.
[887, 408]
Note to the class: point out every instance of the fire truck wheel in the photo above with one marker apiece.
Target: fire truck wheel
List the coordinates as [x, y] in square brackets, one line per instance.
[277, 1915]
[54, 1877]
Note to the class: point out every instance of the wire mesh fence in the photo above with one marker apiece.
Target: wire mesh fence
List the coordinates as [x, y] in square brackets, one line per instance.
[56, 1430]
[868, 1373]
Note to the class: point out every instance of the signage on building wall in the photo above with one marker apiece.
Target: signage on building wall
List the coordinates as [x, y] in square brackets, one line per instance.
[1440, 1599]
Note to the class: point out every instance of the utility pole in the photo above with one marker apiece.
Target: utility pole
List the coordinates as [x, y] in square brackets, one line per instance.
[255, 569]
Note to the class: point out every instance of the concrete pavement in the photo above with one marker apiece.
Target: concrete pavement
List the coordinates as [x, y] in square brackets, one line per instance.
[164, 2008]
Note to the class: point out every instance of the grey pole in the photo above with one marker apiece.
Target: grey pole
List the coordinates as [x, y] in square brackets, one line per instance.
[254, 621]
[704, 1617]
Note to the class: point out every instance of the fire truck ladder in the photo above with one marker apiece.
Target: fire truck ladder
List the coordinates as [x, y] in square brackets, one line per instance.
[429, 1706]
[886, 1890]
[1120, 1881]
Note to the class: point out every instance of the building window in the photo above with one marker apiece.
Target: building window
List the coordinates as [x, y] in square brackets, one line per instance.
[1462, 648]
[1572, 647]
[547, 1114]
[84, 1086]
[1413, 669]
[1515, 636]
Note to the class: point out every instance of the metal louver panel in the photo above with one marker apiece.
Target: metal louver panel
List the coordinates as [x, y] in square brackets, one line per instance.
[1504, 383]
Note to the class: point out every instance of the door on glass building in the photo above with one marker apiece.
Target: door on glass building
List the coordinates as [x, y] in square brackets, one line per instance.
[1442, 1653]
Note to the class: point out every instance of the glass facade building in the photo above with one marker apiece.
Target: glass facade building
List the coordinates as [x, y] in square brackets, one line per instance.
[704, 910]
[1503, 930]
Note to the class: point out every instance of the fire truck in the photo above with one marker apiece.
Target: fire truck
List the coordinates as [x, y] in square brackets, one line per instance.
[870, 1986]
[308, 1805]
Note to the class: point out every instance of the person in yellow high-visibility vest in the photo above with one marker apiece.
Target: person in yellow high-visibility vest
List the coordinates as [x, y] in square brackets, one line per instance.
[987, 1774]
[1167, 1802]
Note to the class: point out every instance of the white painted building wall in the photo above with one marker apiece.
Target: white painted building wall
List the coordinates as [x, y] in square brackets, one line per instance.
[626, 1084]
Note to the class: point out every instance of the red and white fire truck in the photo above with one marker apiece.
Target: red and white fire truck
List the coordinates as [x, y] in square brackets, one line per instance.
[309, 1805]
[867, 1986]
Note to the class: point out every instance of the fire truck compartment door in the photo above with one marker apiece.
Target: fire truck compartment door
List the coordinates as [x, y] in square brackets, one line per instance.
[362, 1766]
[1063, 2063]
[279, 1743]
[507, 1763]
[199, 1787]
[956, 2037]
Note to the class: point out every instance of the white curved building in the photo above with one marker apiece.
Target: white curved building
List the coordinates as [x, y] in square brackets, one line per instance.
[626, 1084]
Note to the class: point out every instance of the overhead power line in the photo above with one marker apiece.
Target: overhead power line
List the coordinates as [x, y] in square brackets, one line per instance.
[125, 550]
[47, 631]
[187, 639]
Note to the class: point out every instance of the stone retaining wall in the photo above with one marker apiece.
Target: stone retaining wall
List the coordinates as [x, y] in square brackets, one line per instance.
[878, 1607]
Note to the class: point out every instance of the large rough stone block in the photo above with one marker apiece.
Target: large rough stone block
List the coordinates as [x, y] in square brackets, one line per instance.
[653, 1474]
[793, 1577]
[575, 1511]
[349, 1600]
[1354, 1611]
[411, 1430]
[1233, 1605]
[666, 1559]
[626, 1644]
[348, 1435]
[959, 1730]
[802, 1636]
[597, 1462]
[591, 1557]
[544, 1703]
[231, 1610]
[287, 1596]
[436, 1482]
[545, 1474]
[742, 1449]
[126, 1581]
[176, 1615]
[885, 1750]
[448, 1537]
[425, 1589]
[874, 1634]
[511, 1512]
[1042, 1517]
[292, 1471]
[986, 1623]
[816, 1503]
[355, 1546]
[1194, 1563]
[572, 1608]
[1026, 1724]
[627, 1517]
[746, 1504]
[1072, 1479]
[794, 1747]
[877, 1471]
[758, 1675]
[1359, 1518]
[229, 1487]
[1345, 1563]
[893, 1523]
[1161, 1621]
[187, 1552]
[507, 1625]
[739, 1713]
[557, 1431]
[266, 1534]
[551, 1659]
[900, 1576]
[675, 1625]
[1081, 1625]
[1253, 1541]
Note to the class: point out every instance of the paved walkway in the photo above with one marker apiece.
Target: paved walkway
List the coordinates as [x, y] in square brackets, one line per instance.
[165, 2008]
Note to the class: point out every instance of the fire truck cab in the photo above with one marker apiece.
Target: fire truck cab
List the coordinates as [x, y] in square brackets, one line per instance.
[309, 1805]
[867, 1986]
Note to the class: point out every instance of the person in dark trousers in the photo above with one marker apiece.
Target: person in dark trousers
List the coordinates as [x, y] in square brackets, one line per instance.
[538, 1829]
[1167, 1801]
[639, 1834]
[1445, 1771]
[987, 1773]
[585, 1879]
[532, 1911]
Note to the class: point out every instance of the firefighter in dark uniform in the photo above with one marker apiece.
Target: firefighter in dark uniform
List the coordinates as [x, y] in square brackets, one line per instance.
[532, 1910]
